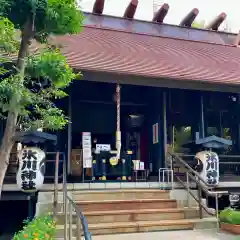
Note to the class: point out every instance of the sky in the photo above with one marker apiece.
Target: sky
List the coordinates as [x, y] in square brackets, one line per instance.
[208, 9]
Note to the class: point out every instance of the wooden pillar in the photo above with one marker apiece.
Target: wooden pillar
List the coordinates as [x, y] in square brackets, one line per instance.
[195, 113]
[236, 127]
[164, 125]
[189, 18]
[131, 9]
[161, 13]
[216, 22]
[98, 7]
[202, 125]
[154, 119]
[220, 125]
[170, 136]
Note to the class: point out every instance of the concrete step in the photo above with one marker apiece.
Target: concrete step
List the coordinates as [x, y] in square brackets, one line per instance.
[134, 227]
[134, 215]
[126, 204]
[144, 226]
[121, 194]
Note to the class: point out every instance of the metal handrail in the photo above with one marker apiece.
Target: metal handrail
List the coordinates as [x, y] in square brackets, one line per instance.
[162, 180]
[189, 168]
[196, 177]
[80, 216]
[220, 156]
[202, 186]
[228, 164]
[69, 207]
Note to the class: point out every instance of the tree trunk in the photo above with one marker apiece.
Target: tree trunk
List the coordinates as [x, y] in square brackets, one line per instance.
[6, 145]
[10, 128]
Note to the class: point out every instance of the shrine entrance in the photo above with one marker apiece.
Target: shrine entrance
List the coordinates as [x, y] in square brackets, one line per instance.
[118, 129]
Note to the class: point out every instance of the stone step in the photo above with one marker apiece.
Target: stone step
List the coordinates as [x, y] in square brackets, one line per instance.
[126, 204]
[134, 215]
[122, 194]
[144, 226]
[134, 227]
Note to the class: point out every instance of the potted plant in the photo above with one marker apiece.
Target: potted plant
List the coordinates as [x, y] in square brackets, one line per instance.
[230, 220]
[42, 227]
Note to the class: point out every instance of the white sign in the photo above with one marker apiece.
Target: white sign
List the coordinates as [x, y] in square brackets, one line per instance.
[87, 149]
[141, 167]
[103, 147]
[30, 175]
[87, 163]
[136, 165]
[87, 153]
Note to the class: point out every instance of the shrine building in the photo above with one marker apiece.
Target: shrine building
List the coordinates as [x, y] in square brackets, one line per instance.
[157, 85]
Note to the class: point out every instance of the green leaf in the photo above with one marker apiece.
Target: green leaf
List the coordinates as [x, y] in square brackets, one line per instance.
[230, 215]
[63, 17]
[35, 84]
[42, 227]
[8, 41]
[52, 65]
[50, 16]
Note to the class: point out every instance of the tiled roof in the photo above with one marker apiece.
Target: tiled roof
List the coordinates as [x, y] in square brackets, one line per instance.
[105, 50]
[158, 29]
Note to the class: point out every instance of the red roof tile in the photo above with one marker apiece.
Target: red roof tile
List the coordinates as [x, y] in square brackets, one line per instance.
[157, 57]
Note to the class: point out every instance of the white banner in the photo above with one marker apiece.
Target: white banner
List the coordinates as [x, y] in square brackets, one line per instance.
[103, 147]
[87, 149]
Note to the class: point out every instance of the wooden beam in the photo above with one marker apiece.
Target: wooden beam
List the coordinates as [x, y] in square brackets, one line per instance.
[161, 13]
[189, 18]
[98, 6]
[131, 9]
[216, 22]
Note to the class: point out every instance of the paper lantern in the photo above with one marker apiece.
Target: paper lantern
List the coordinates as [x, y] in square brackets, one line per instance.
[209, 163]
[30, 175]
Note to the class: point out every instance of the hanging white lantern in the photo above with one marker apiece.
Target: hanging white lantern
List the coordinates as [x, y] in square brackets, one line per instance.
[30, 175]
[210, 166]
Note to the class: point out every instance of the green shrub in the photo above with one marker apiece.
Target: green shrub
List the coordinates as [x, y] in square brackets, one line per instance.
[230, 216]
[43, 227]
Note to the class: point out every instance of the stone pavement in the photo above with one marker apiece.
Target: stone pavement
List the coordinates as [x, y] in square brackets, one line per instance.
[186, 235]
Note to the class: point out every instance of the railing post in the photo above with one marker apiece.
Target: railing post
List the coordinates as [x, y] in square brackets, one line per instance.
[70, 221]
[200, 201]
[66, 220]
[64, 183]
[188, 190]
[172, 177]
[159, 176]
[217, 210]
[78, 222]
[55, 200]
[171, 162]
[65, 199]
